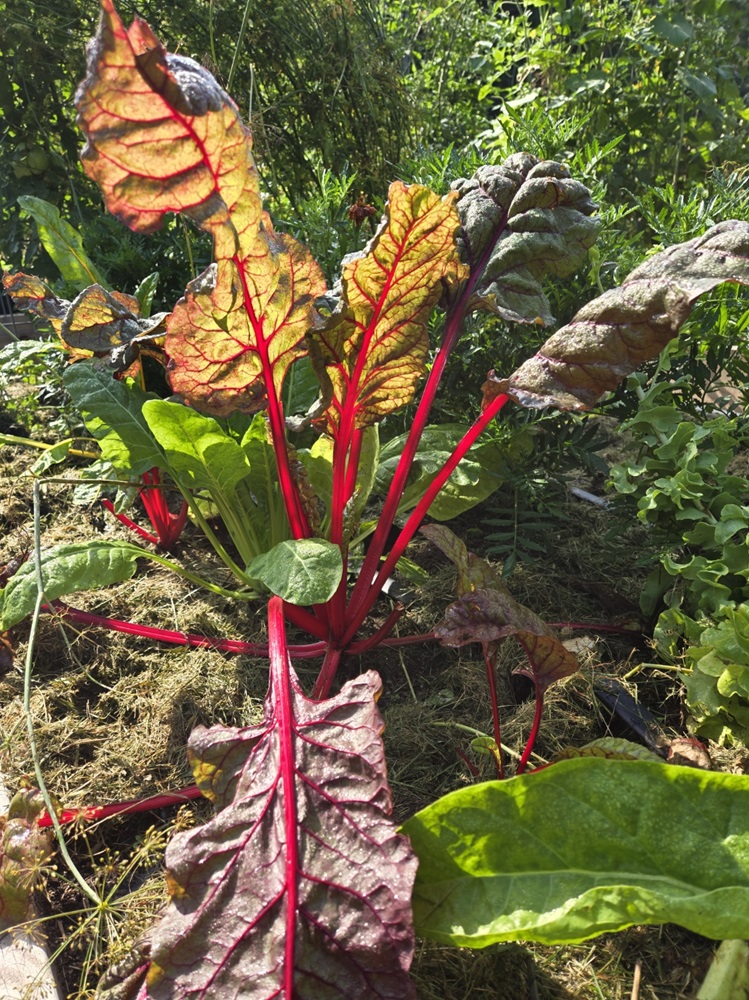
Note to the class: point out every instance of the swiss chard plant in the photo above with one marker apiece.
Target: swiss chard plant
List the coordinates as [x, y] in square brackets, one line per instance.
[301, 886]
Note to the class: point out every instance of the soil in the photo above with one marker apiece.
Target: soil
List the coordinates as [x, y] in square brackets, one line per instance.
[112, 714]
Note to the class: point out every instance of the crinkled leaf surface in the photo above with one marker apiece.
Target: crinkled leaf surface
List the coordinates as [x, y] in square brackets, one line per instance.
[24, 848]
[303, 572]
[477, 476]
[626, 326]
[96, 320]
[487, 612]
[31, 295]
[163, 137]
[62, 243]
[113, 414]
[66, 569]
[585, 847]
[523, 220]
[370, 354]
[300, 887]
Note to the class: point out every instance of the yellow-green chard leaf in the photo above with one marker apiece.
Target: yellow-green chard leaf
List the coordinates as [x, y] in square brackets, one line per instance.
[582, 848]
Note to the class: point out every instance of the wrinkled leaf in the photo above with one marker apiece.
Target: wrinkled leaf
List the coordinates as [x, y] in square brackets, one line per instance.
[67, 569]
[523, 220]
[487, 612]
[617, 332]
[300, 885]
[24, 850]
[477, 476]
[112, 412]
[582, 848]
[30, 294]
[302, 572]
[163, 137]
[610, 747]
[370, 354]
[62, 243]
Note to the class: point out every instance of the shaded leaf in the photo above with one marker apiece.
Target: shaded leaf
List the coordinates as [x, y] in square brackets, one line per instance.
[370, 354]
[582, 848]
[302, 572]
[300, 885]
[487, 612]
[610, 747]
[66, 569]
[617, 332]
[477, 476]
[523, 220]
[62, 243]
[24, 849]
[113, 414]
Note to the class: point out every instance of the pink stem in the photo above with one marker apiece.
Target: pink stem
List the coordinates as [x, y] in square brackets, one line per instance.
[124, 519]
[179, 638]
[491, 676]
[523, 762]
[91, 813]
[377, 638]
[358, 609]
[327, 673]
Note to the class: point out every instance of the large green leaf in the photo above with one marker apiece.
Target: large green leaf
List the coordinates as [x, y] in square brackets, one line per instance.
[112, 412]
[585, 847]
[307, 571]
[199, 451]
[66, 569]
[476, 477]
[62, 243]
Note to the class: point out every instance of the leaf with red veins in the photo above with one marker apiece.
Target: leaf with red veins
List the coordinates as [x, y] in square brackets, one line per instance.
[300, 886]
[240, 320]
[370, 354]
[30, 294]
[487, 612]
[613, 335]
[162, 136]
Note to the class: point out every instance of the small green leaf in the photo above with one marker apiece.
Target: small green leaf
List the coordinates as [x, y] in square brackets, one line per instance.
[145, 292]
[303, 572]
[52, 456]
[62, 243]
[585, 847]
[67, 569]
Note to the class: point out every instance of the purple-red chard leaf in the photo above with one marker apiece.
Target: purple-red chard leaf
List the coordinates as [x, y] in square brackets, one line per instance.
[370, 354]
[163, 137]
[300, 887]
[614, 334]
[487, 612]
[522, 220]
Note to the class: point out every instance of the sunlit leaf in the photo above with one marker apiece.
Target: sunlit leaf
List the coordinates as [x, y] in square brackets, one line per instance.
[163, 137]
[24, 849]
[626, 326]
[62, 243]
[371, 353]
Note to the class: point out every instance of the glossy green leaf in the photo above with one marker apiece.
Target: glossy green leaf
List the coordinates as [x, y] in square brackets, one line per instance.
[112, 412]
[585, 847]
[201, 453]
[145, 292]
[304, 572]
[62, 243]
[67, 569]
